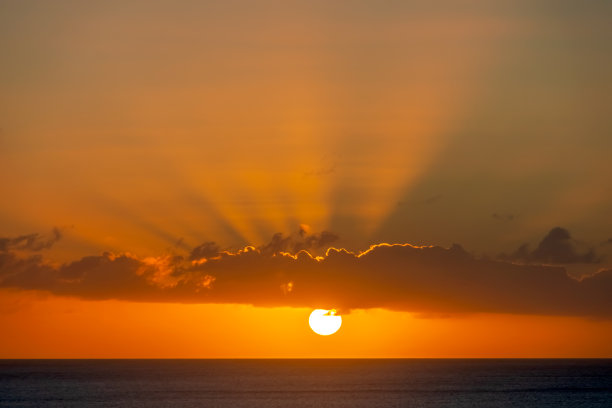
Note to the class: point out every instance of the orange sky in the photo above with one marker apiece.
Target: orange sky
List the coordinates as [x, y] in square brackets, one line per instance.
[43, 326]
[141, 131]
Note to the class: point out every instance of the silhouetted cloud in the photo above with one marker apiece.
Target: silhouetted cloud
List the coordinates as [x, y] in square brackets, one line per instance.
[206, 250]
[426, 279]
[503, 217]
[302, 241]
[557, 247]
[30, 242]
[316, 241]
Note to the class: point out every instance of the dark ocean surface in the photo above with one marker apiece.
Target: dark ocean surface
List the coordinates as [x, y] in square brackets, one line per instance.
[306, 383]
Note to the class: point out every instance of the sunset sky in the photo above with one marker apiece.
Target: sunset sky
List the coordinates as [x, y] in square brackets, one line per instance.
[191, 178]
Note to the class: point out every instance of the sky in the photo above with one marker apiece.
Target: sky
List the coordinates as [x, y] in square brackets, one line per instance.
[192, 178]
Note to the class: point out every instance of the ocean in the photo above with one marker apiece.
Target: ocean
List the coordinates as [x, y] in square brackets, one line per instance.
[306, 383]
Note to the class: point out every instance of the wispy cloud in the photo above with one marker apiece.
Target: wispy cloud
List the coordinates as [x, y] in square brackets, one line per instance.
[30, 242]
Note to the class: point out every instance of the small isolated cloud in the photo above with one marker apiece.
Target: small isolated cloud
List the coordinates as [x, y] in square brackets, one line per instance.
[30, 242]
[420, 279]
[503, 217]
[557, 247]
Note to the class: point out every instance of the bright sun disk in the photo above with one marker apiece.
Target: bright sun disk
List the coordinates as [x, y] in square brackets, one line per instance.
[324, 322]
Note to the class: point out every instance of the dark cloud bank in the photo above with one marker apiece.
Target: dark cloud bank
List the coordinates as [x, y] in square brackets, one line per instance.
[397, 277]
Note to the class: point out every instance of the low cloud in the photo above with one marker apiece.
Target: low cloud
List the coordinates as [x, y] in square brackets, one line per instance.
[206, 250]
[30, 242]
[302, 241]
[557, 247]
[427, 280]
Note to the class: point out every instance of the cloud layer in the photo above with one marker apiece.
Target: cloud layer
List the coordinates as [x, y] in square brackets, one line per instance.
[398, 277]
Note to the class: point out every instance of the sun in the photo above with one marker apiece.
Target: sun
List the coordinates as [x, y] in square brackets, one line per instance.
[324, 322]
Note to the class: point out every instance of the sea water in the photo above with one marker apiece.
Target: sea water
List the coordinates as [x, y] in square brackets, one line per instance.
[306, 383]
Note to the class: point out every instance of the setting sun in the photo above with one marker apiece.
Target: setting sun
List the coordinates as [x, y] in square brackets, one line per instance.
[324, 322]
[187, 179]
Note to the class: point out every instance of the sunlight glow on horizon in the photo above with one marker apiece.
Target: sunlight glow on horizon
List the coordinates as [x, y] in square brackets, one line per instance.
[205, 163]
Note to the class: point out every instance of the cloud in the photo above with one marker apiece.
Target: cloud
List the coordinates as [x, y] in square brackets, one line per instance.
[30, 242]
[302, 241]
[206, 250]
[503, 217]
[304, 229]
[428, 279]
[557, 247]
